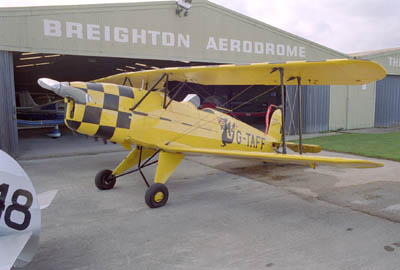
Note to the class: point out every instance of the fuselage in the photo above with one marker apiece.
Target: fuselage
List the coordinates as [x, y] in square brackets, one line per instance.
[108, 115]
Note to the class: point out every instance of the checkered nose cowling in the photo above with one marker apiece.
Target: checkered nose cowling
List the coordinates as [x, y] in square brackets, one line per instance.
[107, 115]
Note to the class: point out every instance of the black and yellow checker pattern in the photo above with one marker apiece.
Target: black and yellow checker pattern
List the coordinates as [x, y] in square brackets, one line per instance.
[107, 115]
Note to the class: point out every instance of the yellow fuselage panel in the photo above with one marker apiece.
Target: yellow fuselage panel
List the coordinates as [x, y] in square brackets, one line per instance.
[184, 124]
[153, 126]
[160, 132]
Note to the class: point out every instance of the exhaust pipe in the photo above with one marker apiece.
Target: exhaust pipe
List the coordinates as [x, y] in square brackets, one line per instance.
[63, 89]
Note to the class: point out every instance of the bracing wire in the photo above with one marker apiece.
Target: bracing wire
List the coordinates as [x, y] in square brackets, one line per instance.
[202, 89]
[197, 92]
[291, 107]
[195, 126]
[238, 95]
[254, 98]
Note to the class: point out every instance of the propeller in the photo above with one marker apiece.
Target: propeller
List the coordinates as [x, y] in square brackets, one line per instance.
[65, 90]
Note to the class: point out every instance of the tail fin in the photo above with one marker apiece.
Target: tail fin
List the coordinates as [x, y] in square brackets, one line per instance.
[19, 227]
[26, 100]
[275, 125]
[11, 247]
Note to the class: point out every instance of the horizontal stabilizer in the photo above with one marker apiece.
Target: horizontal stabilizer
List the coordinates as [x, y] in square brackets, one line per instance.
[329, 72]
[46, 198]
[278, 158]
[10, 248]
[307, 148]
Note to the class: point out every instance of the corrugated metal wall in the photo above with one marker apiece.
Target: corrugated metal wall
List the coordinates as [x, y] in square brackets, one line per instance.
[338, 107]
[315, 109]
[360, 106]
[387, 105]
[8, 121]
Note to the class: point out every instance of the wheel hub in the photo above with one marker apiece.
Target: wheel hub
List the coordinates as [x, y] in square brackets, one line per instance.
[108, 180]
[158, 197]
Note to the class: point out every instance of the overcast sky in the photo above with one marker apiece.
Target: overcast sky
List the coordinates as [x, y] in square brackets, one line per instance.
[344, 25]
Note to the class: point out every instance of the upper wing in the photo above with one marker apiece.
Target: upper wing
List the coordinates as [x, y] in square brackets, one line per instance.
[280, 158]
[329, 72]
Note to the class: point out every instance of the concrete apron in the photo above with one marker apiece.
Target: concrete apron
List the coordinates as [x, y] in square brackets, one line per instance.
[372, 191]
[213, 219]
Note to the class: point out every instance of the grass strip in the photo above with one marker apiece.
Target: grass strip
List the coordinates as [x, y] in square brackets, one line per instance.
[383, 145]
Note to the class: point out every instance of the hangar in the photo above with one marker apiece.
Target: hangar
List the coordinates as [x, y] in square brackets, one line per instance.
[86, 42]
[387, 98]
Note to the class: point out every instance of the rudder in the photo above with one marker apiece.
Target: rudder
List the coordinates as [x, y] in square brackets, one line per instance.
[275, 125]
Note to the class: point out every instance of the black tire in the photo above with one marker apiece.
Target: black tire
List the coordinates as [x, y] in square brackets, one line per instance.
[156, 195]
[104, 180]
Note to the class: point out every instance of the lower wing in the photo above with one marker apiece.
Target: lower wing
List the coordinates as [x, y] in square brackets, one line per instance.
[312, 161]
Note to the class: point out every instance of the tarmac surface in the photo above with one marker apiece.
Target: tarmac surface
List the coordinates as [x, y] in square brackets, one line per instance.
[221, 214]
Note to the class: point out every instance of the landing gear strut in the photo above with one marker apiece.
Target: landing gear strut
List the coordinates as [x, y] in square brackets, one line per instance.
[156, 194]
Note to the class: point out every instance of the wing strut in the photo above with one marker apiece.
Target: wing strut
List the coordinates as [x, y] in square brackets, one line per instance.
[299, 103]
[179, 87]
[283, 99]
[300, 115]
[153, 88]
[127, 80]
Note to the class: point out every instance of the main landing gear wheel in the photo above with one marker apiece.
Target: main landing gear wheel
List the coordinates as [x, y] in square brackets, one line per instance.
[156, 195]
[104, 180]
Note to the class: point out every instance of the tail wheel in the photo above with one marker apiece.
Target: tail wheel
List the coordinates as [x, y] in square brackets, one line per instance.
[156, 195]
[104, 180]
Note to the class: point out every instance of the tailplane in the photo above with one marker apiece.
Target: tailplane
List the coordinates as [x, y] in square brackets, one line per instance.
[274, 129]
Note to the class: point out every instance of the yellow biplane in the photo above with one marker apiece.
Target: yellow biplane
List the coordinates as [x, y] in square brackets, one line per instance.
[142, 114]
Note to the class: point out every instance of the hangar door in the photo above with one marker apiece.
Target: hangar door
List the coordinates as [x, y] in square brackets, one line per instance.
[8, 125]
[315, 109]
[387, 106]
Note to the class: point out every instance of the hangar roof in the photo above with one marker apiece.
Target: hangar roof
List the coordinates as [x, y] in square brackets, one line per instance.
[388, 58]
[152, 30]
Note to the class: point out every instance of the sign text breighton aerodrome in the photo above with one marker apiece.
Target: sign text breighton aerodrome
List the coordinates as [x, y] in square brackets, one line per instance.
[135, 36]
